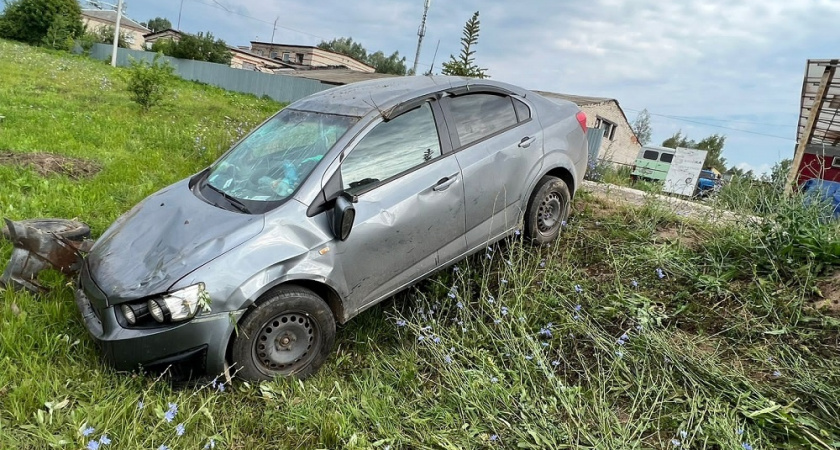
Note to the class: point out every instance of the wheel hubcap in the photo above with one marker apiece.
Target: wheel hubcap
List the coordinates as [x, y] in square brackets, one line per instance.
[549, 214]
[286, 343]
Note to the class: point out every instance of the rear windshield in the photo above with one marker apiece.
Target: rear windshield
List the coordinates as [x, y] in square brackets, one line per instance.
[666, 157]
[650, 154]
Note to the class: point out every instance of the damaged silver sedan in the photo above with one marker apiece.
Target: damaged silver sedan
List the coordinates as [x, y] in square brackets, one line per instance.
[333, 204]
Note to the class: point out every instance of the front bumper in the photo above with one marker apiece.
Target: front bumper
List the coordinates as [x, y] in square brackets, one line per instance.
[200, 342]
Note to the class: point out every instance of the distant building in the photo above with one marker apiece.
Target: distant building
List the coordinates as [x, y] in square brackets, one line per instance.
[305, 56]
[95, 19]
[167, 34]
[619, 144]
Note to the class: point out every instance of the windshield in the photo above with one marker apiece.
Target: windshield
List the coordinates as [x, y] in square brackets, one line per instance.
[270, 163]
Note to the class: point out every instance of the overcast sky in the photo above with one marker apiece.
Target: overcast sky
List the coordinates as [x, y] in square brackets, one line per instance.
[703, 67]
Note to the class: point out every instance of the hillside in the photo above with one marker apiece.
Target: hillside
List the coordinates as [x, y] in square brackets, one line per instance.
[641, 329]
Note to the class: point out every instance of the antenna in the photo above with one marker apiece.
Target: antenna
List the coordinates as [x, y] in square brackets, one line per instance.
[432, 68]
[420, 33]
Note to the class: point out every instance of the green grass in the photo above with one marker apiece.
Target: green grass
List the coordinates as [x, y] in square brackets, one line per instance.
[725, 347]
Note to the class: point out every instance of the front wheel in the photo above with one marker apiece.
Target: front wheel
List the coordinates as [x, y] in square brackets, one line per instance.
[548, 209]
[290, 332]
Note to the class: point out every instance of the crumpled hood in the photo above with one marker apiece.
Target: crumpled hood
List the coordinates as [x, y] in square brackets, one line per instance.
[162, 239]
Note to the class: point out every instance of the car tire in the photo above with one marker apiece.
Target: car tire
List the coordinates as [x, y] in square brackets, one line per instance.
[548, 209]
[290, 332]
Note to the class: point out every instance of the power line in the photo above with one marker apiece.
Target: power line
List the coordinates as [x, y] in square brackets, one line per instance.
[682, 119]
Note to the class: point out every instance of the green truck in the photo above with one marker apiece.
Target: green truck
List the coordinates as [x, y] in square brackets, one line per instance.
[652, 164]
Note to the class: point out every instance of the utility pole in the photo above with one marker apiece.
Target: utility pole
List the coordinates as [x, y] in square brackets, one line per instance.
[274, 29]
[420, 33]
[116, 34]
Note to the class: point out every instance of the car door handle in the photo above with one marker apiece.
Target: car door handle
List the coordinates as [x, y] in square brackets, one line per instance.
[444, 183]
[527, 141]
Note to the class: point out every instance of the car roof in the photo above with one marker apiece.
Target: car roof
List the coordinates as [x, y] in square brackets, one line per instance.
[359, 99]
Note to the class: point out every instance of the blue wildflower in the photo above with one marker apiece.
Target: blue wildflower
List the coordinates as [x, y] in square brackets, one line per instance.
[163, 447]
[620, 342]
[460, 305]
[490, 299]
[421, 338]
[545, 332]
[639, 328]
[455, 269]
[140, 404]
[504, 310]
[521, 319]
[777, 374]
[210, 445]
[436, 340]
[507, 261]
[452, 294]
[447, 359]
[542, 263]
[180, 429]
[624, 337]
[88, 431]
[660, 273]
[578, 289]
[739, 431]
[555, 363]
[683, 434]
[221, 387]
[544, 344]
[529, 357]
[516, 232]
[619, 353]
[747, 446]
[504, 281]
[104, 439]
[92, 445]
[676, 442]
[400, 323]
[494, 380]
[634, 283]
[169, 416]
[563, 223]
[494, 438]
[578, 307]
[497, 321]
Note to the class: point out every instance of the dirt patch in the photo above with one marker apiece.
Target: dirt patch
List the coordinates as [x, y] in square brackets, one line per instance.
[47, 164]
[830, 302]
[673, 235]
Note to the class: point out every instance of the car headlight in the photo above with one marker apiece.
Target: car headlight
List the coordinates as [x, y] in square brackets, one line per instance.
[180, 305]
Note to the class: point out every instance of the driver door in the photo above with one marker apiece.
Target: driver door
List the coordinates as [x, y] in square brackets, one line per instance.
[410, 209]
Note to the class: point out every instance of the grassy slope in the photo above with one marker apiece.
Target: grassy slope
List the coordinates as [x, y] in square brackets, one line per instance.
[722, 349]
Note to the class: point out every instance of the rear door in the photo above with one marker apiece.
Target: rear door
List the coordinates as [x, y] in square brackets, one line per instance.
[497, 144]
[410, 207]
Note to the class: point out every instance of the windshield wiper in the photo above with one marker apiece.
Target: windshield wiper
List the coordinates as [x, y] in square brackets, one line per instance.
[231, 199]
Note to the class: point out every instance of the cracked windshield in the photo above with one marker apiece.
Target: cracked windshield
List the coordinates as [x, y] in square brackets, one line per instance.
[270, 164]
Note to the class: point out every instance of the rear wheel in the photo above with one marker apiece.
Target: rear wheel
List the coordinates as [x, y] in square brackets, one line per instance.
[548, 209]
[290, 332]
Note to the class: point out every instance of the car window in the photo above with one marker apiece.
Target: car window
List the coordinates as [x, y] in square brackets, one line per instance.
[666, 157]
[523, 113]
[480, 115]
[391, 148]
[650, 154]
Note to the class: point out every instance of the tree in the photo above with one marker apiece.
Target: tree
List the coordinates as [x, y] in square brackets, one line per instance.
[382, 64]
[712, 144]
[347, 47]
[392, 64]
[30, 20]
[105, 35]
[200, 47]
[59, 35]
[642, 128]
[158, 24]
[464, 65]
[148, 83]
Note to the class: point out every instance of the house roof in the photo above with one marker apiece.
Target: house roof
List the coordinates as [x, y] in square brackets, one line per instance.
[166, 32]
[275, 62]
[308, 47]
[111, 16]
[338, 76]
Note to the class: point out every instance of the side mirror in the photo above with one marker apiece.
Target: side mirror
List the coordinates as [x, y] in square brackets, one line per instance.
[343, 215]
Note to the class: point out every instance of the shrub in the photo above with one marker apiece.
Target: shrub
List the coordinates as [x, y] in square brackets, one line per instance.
[30, 20]
[147, 82]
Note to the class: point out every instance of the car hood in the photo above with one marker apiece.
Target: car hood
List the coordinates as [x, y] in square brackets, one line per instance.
[162, 239]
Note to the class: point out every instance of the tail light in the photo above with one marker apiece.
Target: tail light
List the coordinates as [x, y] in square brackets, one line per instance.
[581, 118]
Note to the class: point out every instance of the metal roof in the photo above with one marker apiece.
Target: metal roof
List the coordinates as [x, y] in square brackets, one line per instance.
[827, 100]
[111, 16]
